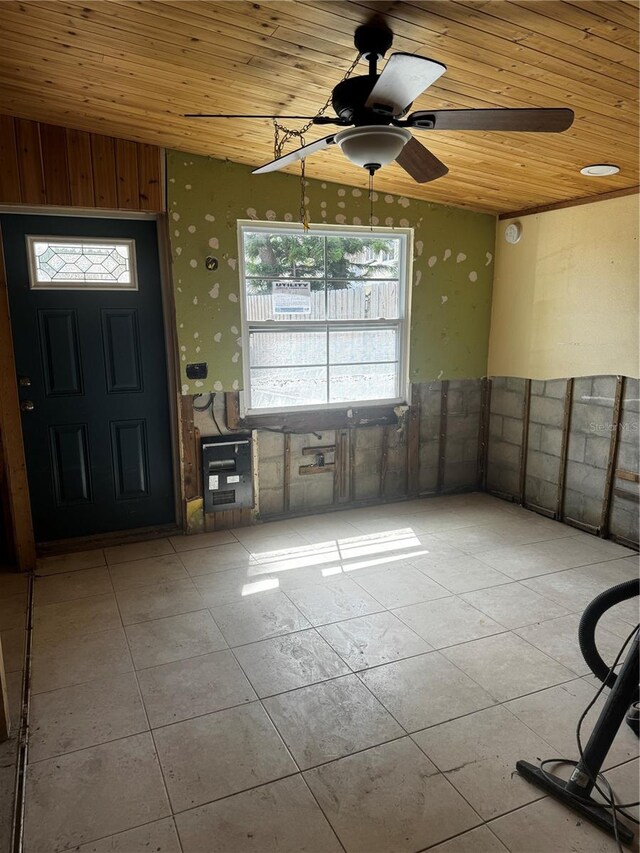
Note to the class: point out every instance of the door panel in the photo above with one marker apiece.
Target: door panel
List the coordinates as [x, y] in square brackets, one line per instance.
[97, 436]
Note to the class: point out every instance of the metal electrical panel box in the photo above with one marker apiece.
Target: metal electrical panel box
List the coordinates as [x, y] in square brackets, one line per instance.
[226, 473]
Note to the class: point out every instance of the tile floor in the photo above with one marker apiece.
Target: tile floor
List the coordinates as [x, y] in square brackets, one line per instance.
[362, 681]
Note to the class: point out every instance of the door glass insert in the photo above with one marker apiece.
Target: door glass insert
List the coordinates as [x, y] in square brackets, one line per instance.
[62, 263]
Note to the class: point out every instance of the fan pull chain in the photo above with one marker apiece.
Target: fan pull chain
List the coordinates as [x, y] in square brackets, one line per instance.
[371, 174]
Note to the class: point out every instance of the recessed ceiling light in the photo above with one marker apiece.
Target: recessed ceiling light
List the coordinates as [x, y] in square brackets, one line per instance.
[600, 170]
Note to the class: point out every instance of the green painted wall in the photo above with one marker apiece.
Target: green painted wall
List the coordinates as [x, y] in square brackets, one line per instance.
[452, 265]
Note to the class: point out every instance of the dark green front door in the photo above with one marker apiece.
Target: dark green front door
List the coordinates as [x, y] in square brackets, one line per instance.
[92, 378]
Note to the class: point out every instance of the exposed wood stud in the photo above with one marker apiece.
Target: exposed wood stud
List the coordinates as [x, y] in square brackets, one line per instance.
[352, 464]
[384, 461]
[631, 476]
[524, 446]
[442, 436]
[613, 453]
[483, 436]
[625, 495]
[413, 444]
[190, 457]
[232, 409]
[564, 449]
[286, 483]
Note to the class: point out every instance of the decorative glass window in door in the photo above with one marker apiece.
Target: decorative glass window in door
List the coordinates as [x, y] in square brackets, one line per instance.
[65, 263]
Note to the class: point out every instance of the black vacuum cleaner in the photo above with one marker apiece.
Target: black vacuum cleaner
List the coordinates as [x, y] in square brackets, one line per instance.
[621, 704]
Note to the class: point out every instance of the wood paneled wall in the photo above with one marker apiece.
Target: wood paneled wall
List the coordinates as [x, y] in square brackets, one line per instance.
[47, 164]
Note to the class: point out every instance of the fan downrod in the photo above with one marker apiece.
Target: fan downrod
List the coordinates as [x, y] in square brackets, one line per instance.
[373, 41]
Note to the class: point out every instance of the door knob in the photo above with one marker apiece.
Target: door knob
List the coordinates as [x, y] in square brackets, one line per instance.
[27, 406]
[24, 381]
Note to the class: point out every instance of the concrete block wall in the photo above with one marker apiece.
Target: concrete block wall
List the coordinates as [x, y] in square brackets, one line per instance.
[464, 398]
[546, 415]
[506, 423]
[623, 520]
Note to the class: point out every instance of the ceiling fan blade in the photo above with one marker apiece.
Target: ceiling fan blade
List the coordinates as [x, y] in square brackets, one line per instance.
[536, 120]
[420, 163]
[403, 78]
[224, 115]
[293, 156]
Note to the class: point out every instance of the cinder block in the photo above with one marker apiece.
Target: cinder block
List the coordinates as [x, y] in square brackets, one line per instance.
[586, 479]
[547, 410]
[458, 450]
[543, 466]
[537, 387]
[508, 403]
[541, 493]
[429, 429]
[460, 475]
[597, 451]
[551, 440]
[576, 447]
[535, 433]
[271, 502]
[366, 486]
[462, 426]
[628, 456]
[588, 419]
[505, 480]
[270, 445]
[270, 473]
[515, 384]
[555, 388]
[428, 478]
[495, 425]
[631, 399]
[512, 430]
[623, 520]
[582, 388]
[503, 454]
[603, 390]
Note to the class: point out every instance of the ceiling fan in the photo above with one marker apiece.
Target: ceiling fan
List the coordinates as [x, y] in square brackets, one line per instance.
[372, 109]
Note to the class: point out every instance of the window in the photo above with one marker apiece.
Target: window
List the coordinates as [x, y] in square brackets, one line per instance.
[324, 316]
[67, 263]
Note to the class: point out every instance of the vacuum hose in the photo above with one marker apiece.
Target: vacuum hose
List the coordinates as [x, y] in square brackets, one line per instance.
[587, 629]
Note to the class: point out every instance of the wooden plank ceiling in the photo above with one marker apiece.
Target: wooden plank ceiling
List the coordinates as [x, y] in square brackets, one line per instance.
[131, 68]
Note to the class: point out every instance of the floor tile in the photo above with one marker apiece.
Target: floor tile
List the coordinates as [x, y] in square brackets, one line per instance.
[447, 621]
[608, 549]
[558, 638]
[76, 618]
[145, 572]
[333, 601]
[174, 638]
[137, 551]
[389, 800]
[326, 721]
[13, 583]
[65, 661]
[281, 817]
[547, 825]
[73, 718]
[233, 586]
[142, 603]
[553, 714]
[92, 793]
[13, 612]
[373, 640]
[188, 688]
[159, 837]
[220, 754]
[70, 562]
[507, 666]
[7, 789]
[425, 690]
[13, 648]
[462, 574]
[514, 605]
[202, 540]
[396, 587]
[479, 840]
[258, 618]
[71, 585]
[267, 547]
[218, 559]
[523, 561]
[478, 755]
[567, 588]
[285, 663]
[572, 551]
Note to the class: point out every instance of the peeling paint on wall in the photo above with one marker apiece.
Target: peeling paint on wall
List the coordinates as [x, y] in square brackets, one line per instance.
[452, 265]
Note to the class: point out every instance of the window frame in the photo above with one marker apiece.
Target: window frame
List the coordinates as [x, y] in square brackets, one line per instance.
[78, 284]
[402, 323]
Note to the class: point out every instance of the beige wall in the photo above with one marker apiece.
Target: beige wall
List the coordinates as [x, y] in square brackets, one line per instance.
[565, 298]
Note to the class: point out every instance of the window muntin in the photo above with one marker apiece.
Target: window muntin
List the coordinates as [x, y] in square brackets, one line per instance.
[324, 316]
[68, 263]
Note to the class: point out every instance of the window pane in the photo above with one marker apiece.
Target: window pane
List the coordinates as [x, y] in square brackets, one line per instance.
[363, 300]
[352, 257]
[279, 349]
[362, 345]
[60, 262]
[363, 382]
[277, 387]
[283, 255]
[306, 304]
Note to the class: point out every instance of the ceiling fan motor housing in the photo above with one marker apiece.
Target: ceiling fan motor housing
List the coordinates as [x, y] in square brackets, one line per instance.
[349, 98]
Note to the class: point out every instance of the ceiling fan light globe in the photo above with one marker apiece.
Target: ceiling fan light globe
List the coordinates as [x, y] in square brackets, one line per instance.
[372, 145]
